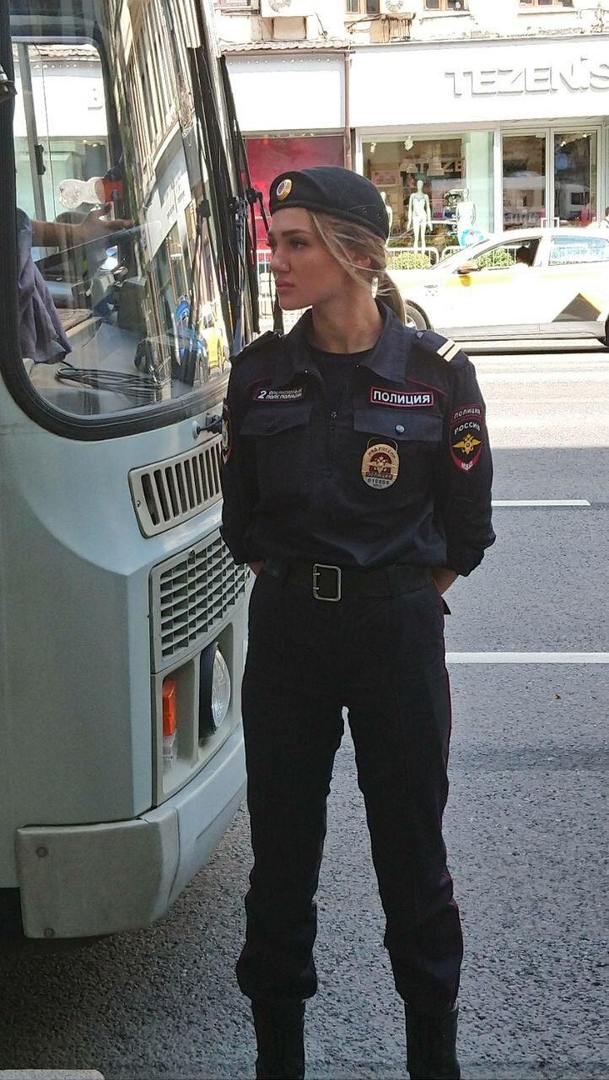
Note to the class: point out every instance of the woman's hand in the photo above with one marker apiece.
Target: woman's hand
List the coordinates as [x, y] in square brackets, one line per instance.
[444, 578]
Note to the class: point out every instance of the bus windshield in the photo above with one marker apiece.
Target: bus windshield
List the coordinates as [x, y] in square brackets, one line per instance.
[128, 260]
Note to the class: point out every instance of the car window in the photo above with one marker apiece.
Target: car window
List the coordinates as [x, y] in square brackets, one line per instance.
[506, 255]
[575, 249]
[497, 258]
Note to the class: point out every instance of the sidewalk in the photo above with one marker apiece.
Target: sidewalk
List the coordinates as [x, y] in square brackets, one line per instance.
[50, 1074]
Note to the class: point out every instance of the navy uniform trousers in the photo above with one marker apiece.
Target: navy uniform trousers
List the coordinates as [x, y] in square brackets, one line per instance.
[381, 657]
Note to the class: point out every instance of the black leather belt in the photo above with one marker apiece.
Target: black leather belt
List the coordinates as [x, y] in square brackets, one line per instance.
[333, 583]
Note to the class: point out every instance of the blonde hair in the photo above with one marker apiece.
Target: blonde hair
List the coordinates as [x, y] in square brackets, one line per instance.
[344, 238]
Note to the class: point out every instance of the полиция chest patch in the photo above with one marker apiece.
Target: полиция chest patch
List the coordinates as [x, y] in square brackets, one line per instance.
[401, 399]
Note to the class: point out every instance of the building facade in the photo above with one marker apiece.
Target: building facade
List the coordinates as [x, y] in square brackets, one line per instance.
[497, 109]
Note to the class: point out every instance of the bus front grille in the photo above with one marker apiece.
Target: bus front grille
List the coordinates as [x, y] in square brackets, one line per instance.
[190, 595]
[172, 491]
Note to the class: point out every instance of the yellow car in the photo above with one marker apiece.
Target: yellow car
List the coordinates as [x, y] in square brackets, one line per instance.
[212, 334]
[523, 283]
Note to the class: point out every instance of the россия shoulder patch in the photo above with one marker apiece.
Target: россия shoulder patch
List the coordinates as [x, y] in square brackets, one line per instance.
[466, 436]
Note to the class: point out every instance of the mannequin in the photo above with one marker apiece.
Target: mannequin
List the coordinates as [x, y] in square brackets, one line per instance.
[419, 216]
[466, 216]
[388, 208]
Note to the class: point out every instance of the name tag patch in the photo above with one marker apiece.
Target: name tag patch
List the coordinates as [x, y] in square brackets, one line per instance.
[466, 436]
[401, 399]
[292, 393]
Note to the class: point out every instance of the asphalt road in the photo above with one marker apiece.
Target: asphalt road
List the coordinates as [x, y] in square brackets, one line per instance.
[526, 826]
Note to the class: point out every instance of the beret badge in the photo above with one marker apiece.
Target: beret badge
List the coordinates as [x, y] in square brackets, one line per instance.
[283, 189]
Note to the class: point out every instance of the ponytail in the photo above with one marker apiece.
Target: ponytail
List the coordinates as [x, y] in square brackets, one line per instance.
[389, 293]
[341, 238]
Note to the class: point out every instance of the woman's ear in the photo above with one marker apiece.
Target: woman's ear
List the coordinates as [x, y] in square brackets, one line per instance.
[359, 259]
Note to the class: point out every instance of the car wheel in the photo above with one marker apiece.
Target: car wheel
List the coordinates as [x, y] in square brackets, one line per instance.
[416, 316]
[605, 340]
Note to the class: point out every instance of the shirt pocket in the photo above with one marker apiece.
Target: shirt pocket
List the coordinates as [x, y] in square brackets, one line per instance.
[413, 427]
[281, 441]
[415, 437]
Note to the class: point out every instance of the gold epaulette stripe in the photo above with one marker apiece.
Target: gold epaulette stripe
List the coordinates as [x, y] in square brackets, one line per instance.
[448, 350]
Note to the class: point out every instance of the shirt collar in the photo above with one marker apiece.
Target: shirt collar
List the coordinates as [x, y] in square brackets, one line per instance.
[387, 358]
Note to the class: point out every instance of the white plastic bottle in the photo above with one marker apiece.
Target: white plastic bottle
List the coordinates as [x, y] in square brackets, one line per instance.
[72, 193]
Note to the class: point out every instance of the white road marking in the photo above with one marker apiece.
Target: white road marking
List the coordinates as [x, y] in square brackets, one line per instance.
[541, 502]
[532, 657]
[527, 658]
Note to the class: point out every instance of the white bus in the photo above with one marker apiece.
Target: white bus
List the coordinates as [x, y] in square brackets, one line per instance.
[122, 612]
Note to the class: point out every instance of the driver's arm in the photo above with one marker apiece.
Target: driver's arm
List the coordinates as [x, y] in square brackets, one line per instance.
[63, 235]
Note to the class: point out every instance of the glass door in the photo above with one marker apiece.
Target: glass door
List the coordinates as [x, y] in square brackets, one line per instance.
[525, 197]
[575, 177]
[550, 178]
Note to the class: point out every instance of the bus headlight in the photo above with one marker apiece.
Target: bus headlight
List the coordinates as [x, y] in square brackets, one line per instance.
[214, 690]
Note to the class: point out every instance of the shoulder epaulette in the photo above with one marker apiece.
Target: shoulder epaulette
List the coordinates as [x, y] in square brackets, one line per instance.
[445, 348]
[269, 338]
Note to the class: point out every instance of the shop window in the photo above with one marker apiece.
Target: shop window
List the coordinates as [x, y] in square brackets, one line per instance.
[456, 174]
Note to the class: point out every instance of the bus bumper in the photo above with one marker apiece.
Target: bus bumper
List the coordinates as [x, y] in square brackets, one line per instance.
[87, 880]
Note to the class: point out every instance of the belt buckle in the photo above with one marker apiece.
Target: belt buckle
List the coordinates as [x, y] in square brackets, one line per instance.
[319, 592]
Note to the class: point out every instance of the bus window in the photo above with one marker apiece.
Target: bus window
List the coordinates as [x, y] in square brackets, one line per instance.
[105, 134]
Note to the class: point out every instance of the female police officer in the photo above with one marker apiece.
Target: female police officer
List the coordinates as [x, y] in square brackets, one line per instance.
[357, 486]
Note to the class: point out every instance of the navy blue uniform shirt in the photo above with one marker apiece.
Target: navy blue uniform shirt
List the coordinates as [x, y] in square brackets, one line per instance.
[400, 473]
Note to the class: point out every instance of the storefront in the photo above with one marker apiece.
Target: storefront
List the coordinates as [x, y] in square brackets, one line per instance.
[494, 136]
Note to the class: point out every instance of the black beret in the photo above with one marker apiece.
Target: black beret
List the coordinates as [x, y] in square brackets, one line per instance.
[332, 190]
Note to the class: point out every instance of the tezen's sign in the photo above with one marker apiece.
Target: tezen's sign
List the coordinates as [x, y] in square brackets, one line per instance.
[576, 75]
[496, 83]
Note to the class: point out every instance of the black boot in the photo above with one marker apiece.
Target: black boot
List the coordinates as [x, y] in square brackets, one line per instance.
[280, 1038]
[431, 1043]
